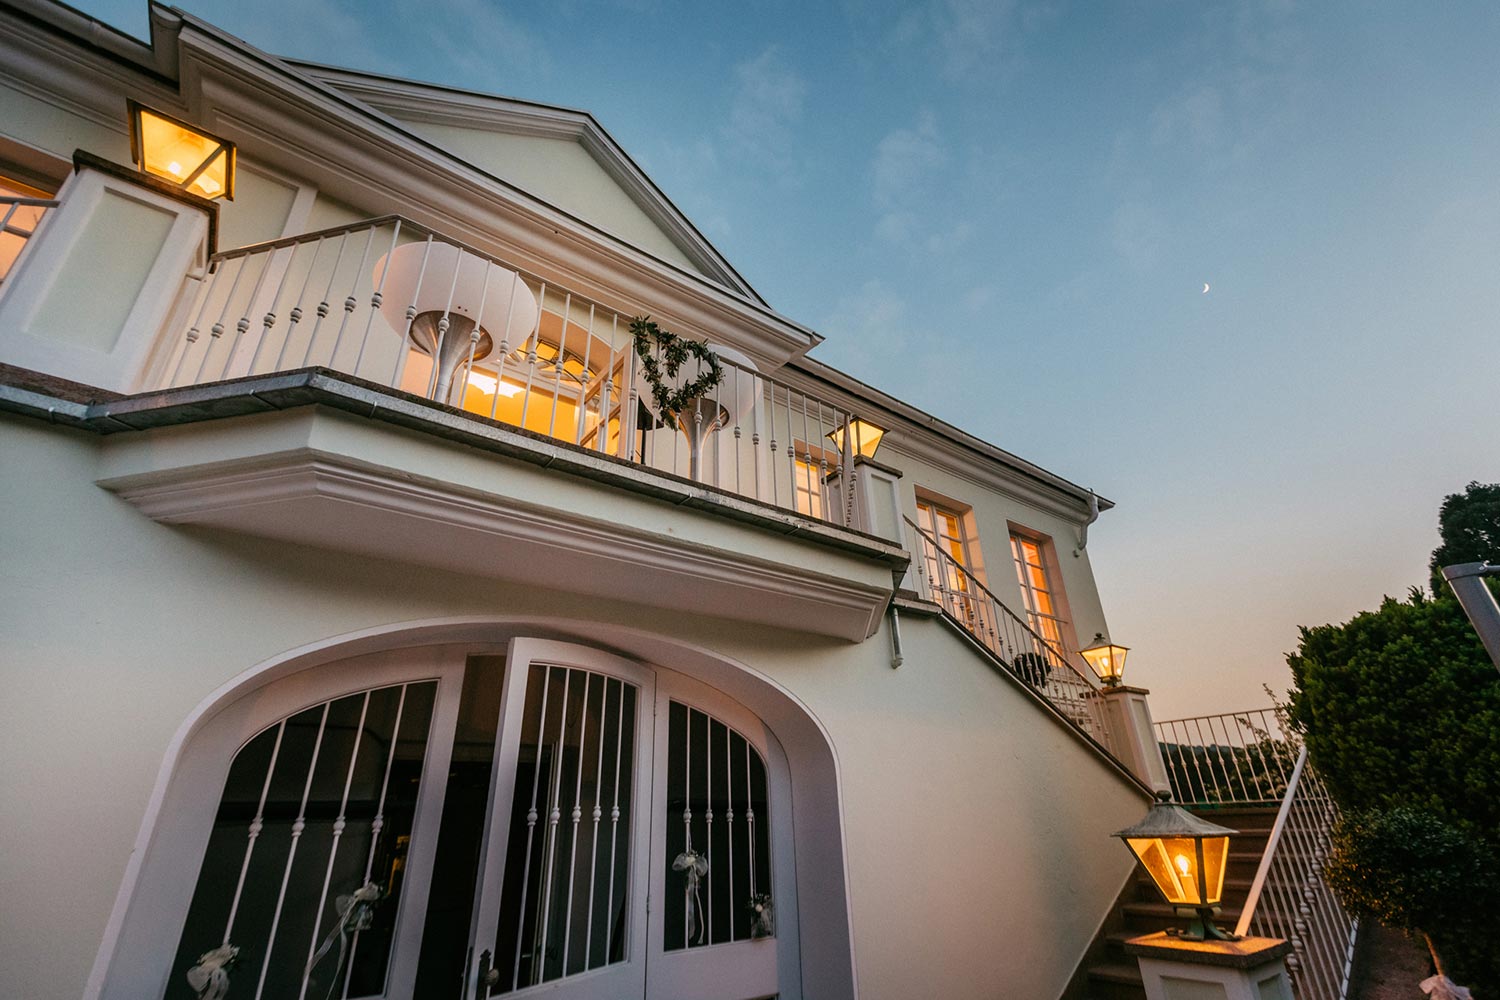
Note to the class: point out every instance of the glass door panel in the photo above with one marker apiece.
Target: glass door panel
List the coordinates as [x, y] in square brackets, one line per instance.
[561, 902]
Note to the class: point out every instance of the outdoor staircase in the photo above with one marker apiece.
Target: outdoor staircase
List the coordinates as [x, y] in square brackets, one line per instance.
[1114, 975]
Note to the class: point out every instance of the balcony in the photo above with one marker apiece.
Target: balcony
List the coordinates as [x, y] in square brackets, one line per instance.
[414, 330]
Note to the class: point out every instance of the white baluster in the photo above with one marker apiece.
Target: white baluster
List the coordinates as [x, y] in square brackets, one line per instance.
[531, 817]
[268, 321]
[322, 309]
[350, 300]
[338, 835]
[376, 298]
[295, 316]
[403, 349]
[577, 814]
[378, 823]
[256, 825]
[217, 330]
[286, 873]
[554, 814]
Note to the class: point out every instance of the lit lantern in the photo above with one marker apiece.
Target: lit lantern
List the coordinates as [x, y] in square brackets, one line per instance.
[1185, 857]
[864, 437]
[175, 151]
[1107, 659]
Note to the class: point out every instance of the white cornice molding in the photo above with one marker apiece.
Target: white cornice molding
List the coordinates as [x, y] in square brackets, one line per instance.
[412, 101]
[927, 439]
[314, 498]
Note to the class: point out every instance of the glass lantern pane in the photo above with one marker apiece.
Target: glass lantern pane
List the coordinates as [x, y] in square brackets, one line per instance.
[1215, 861]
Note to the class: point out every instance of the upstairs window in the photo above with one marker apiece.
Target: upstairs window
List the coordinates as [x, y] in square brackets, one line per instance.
[18, 218]
[1038, 587]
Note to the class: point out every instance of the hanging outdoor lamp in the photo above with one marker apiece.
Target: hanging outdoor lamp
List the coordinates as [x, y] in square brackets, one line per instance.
[1107, 659]
[864, 437]
[181, 154]
[1185, 857]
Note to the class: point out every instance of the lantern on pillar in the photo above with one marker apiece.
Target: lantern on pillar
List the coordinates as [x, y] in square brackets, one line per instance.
[1107, 659]
[1185, 857]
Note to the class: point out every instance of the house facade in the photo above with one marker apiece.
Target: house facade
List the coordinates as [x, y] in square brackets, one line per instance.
[391, 610]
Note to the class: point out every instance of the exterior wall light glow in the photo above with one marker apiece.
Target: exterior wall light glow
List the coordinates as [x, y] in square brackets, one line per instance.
[181, 154]
[1107, 659]
[1185, 857]
[864, 437]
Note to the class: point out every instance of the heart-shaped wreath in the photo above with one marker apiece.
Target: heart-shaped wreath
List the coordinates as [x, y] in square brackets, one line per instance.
[674, 351]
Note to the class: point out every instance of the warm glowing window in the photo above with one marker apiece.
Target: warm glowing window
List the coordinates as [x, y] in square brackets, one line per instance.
[17, 219]
[950, 578]
[812, 468]
[1038, 589]
[947, 527]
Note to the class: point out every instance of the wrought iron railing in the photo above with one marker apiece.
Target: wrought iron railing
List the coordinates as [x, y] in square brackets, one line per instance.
[1234, 757]
[1045, 666]
[393, 302]
[1289, 898]
[1250, 759]
[19, 219]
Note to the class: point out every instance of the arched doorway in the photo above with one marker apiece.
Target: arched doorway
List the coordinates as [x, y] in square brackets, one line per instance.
[491, 820]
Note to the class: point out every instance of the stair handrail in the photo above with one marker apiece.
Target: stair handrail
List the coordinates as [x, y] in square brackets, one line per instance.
[1048, 644]
[1263, 870]
[1008, 637]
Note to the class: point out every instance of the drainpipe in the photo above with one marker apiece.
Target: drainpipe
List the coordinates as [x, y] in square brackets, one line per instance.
[896, 656]
[1467, 581]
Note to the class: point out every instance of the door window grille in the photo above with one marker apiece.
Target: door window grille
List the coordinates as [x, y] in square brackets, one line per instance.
[565, 905]
[315, 807]
[717, 809]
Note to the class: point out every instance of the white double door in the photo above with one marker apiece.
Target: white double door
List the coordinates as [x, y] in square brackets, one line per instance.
[627, 852]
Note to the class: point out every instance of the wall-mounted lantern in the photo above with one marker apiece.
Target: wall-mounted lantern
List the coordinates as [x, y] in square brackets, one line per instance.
[1107, 659]
[864, 437]
[1185, 857]
[181, 154]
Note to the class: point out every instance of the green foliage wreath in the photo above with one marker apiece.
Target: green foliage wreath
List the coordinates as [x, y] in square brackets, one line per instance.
[675, 351]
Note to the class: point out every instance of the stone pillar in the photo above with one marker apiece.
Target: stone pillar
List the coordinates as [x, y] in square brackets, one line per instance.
[1132, 735]
[1248, 969]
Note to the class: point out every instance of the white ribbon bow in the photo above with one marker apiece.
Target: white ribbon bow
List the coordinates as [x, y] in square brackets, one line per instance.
[356, 913]
[210, 977]
[1440, 987]
[695, 866]
[764, 923]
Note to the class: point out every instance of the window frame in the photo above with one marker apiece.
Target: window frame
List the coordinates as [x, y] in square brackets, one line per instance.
[1059, 618]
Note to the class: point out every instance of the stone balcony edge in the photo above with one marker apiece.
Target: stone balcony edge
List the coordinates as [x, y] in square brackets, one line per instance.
[87, 408]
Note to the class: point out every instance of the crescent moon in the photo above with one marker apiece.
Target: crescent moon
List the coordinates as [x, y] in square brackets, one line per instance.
[1205, 288]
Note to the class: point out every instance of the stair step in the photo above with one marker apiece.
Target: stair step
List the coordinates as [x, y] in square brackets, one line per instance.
[1116, 981]
[1128, 973]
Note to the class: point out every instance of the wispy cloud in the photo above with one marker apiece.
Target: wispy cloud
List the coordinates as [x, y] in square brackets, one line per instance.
[764, 111]
[904, 158]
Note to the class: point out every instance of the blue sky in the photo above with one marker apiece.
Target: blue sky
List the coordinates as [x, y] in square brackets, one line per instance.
[1005, 213]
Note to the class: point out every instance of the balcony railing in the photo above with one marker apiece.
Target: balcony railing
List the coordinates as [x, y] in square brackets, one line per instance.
[395, 303]
[19, 218]
[1047, 667]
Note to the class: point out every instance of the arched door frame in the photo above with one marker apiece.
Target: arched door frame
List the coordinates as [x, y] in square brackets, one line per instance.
[826, 940]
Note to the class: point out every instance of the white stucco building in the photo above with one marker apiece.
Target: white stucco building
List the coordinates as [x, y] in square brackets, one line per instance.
[356, 580]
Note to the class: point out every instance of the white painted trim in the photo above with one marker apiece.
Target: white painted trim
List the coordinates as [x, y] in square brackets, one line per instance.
[833, 980]
[235, 494]
[150, 923]
[411, 101]
[29, 285]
